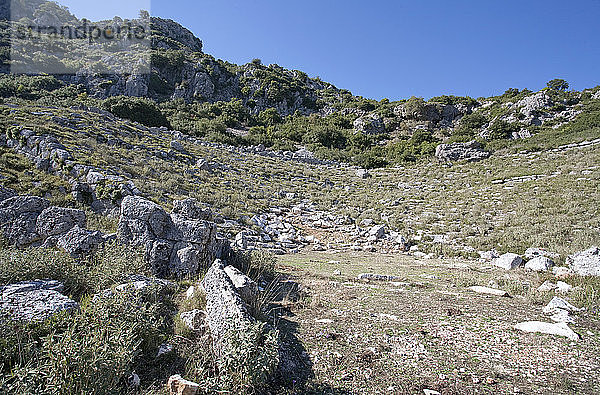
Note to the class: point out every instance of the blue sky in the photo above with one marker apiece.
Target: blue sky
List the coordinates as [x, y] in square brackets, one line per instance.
[397, 49]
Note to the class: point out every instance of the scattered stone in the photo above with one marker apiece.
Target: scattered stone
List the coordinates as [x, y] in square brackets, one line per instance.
[377, 277]
[559, 329]
[363, 174]
[33, 301]
[539, 264]
[324, 321]
[562, 272]
[563, 287]
[559, 304]
[508, 261]
[377, 231]
[585, 263]
[540, 252]
[489, 255]
[177, 146]
[179, 386]
[489, 291]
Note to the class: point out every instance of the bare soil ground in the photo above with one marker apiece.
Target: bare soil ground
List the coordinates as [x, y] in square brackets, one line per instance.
[429, 331]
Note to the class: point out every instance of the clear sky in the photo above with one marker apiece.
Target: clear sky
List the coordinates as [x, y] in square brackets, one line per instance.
[395, 48]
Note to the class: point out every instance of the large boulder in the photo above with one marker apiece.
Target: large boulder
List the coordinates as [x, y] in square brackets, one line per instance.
[33, 301]
[55, 221]
[586, 263]
[471, 152]
[18, 219]
[80, 242]
[244, 285]
[178, 244]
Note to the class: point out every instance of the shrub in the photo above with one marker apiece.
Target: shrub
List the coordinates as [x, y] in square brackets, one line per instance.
[558, 84]
[136, 109]
[502, 130]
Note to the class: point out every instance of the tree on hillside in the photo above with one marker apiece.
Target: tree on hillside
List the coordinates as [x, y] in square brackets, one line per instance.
[558, 84]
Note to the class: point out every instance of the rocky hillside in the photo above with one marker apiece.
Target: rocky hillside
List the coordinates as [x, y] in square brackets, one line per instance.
[214, 228]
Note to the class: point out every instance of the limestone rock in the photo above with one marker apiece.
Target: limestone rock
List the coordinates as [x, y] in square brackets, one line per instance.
[508, 261]
[177, 244]
[179, 386]
[18, 219]
[488, 291]
[471, 152]
[560, 329]
[369, 124]
[225, 310]
[80, 242]
[377, 231]
[33, 300]
[245, 286]
[539, 264]
[559, 304]
[55, 221]
[586, 263]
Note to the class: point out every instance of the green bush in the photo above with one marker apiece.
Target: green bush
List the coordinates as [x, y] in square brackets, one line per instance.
[502, 130]
[136, 109]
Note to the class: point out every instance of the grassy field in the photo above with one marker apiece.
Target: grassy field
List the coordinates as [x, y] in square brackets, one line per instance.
[428, 331]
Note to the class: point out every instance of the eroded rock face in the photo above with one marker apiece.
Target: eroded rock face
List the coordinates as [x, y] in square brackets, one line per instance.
[33, 301]
[177, 244]
[586, 263]
[244, 285]
[471, 152]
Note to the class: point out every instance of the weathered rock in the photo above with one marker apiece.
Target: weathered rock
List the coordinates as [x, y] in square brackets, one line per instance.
[80, 242]
[362, 173]
[178, 244]
[33, 300]
[244, 285]
[557, 304]
[539, 264]
[560, 329]
[538, 252]
[377, 231]
[18, 216]
[472, 151]
[586, 263]
[225, 310]
[192, 209]
[508, 261]
[488, 291]
[55, 221]
[179, 386]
